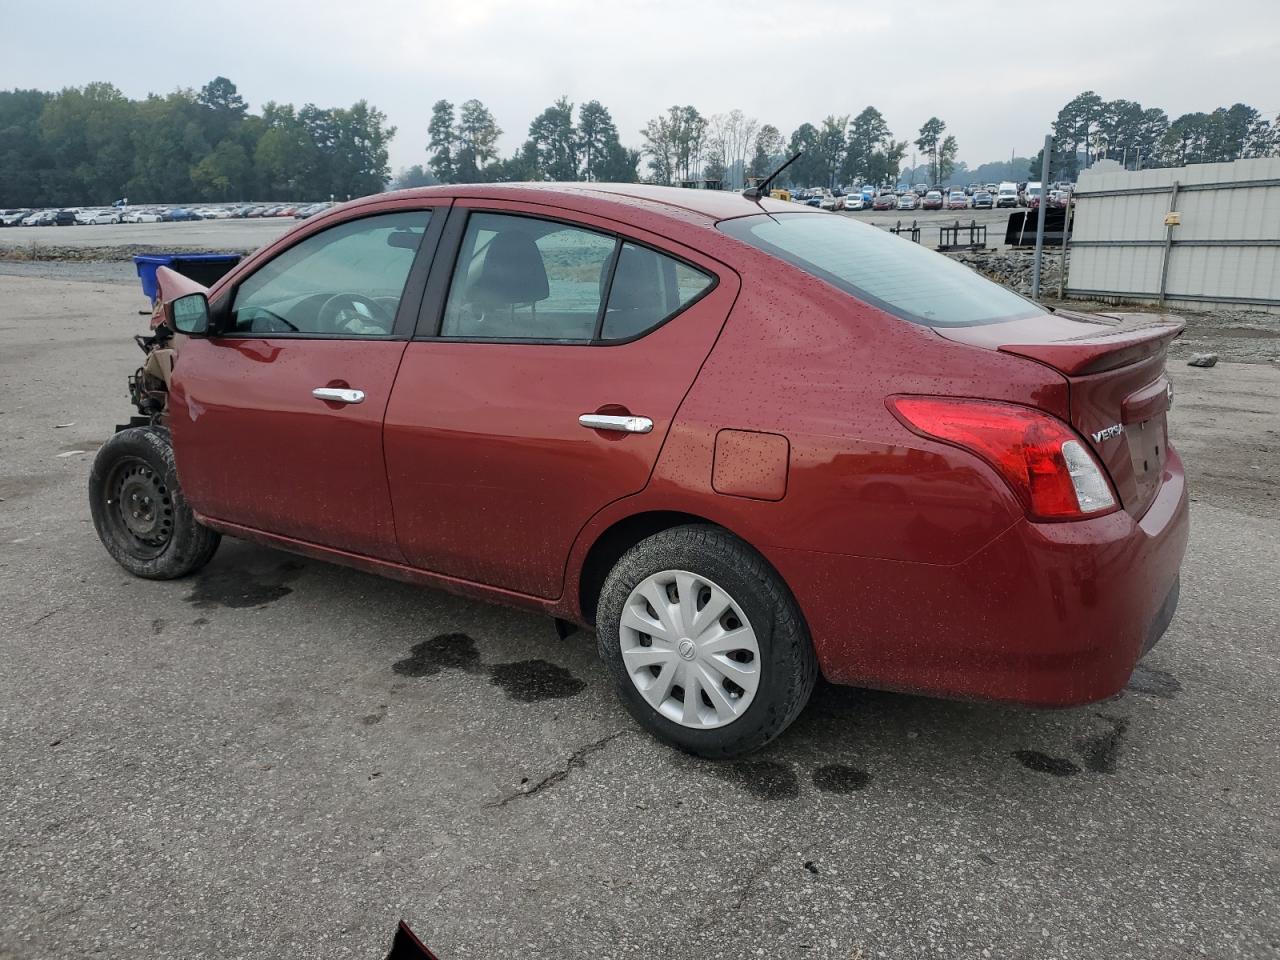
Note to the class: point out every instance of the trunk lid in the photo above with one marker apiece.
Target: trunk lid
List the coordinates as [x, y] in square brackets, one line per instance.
[1114, 365]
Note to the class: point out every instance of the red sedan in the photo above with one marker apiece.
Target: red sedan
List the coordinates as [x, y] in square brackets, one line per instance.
[746, 442]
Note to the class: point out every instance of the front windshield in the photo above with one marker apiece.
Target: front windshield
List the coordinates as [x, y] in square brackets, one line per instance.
[889, 272]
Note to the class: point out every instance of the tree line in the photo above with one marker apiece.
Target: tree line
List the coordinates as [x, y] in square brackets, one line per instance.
[1088, 129]
[93, 145]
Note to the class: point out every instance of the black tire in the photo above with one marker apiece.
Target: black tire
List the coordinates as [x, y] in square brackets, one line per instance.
[163, 541]
[788, 666]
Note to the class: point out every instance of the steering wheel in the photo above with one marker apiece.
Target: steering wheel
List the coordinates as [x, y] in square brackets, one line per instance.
[331, 316]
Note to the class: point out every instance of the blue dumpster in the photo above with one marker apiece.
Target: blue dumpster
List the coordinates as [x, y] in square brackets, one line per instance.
[205, 269]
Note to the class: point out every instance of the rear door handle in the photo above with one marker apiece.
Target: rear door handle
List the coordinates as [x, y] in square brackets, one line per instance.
[338, 394]
[625, 424]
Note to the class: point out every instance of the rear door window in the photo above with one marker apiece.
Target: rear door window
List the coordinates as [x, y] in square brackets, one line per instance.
[525, 278]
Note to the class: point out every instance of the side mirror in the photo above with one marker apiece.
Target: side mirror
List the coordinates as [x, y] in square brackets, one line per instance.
[189, 314]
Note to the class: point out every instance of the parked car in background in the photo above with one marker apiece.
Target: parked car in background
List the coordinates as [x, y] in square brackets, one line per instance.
[179, 214]
[140, 216]
[1031, 194]
[991, 188]
[920, 189]
[908, 201]
[932, 200]
[971, 189]
[985, 521]
[1060, 199]
[13, 218]
[65, 218]
[38, 218]
[1007, 195]
[957, 200]
[885, 201]
[982, 200]
[102, 217]
[854, 201]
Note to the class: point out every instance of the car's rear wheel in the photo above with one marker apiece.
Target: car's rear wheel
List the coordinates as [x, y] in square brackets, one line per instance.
[705, 642]
[139, 511]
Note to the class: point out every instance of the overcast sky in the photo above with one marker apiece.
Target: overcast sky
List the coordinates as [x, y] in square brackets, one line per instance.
[976, 65]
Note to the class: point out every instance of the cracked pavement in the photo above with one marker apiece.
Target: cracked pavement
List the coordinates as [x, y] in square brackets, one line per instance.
[281, 757]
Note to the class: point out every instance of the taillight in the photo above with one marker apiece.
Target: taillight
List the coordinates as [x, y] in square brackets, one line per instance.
[1041, 458]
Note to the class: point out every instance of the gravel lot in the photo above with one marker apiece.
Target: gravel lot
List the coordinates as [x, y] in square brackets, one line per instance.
[280, 757]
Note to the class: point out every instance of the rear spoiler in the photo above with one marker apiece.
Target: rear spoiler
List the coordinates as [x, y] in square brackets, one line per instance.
[1097, 352]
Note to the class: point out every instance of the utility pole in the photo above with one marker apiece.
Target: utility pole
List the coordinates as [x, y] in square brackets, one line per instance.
[1040, 212]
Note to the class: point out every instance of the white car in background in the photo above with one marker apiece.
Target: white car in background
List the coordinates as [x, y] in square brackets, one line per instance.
[101, 216]
[1007, 195]
[854, 201]
[140, 216]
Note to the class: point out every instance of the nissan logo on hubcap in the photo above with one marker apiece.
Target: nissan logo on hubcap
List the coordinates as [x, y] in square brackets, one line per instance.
[687, 649]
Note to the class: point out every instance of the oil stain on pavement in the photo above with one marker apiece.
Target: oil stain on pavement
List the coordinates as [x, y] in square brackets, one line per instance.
[240, 587]
[1100, 751]
[840, 778]
[1043, 763]
[1156, 683]
[525, 681]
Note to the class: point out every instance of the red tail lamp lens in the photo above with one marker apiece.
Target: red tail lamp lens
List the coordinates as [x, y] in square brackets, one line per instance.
[1026, 446]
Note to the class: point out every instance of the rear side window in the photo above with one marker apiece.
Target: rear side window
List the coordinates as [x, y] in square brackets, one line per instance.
[896, 275]
[647, 288]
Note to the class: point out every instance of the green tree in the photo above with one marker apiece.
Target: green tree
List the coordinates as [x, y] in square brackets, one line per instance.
[441, 141]
[23, 152]
[766, 154]
[807, 171]
[476, 137]
[603, 156]
[224, 174]
[946, 158]
[868, 134]
[553, 143]
[928, 143]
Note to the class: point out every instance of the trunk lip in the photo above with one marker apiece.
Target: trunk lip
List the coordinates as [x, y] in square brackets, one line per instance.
[1075, 344]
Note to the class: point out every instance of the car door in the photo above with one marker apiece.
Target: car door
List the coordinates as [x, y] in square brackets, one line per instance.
[277, 419]
[550, 360]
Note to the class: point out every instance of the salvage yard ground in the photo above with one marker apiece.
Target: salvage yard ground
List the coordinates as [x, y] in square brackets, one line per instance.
[280, 757]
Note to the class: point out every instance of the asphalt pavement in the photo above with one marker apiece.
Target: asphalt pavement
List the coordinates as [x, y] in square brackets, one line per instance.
[279, 757]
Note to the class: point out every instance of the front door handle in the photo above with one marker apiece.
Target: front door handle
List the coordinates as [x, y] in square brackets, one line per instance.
[338, 394]
[625, 424]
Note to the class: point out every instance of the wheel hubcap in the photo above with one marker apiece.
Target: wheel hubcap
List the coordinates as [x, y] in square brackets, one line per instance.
[689, 649]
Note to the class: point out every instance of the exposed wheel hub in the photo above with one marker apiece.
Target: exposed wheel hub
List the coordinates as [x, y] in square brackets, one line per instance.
[689, 649]
[141, 506]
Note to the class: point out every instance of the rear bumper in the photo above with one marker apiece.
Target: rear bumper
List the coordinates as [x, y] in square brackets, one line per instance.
[1046, 614]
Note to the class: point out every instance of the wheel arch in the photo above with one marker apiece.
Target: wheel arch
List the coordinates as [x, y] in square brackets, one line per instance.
[624, 533]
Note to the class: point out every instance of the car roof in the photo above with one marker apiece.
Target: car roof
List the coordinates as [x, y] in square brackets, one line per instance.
[710, 205]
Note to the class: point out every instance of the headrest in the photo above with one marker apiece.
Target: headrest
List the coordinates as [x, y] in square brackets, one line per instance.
[512, 272]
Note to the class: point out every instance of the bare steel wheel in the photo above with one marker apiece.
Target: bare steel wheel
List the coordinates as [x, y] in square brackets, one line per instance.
[689, 649]
[139, 507]
[705, 642]
[139, 510]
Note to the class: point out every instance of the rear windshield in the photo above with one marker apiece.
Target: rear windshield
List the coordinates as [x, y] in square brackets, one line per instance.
[886, 271]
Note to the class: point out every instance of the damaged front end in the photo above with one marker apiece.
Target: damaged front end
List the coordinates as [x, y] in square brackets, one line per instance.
[149, 384]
